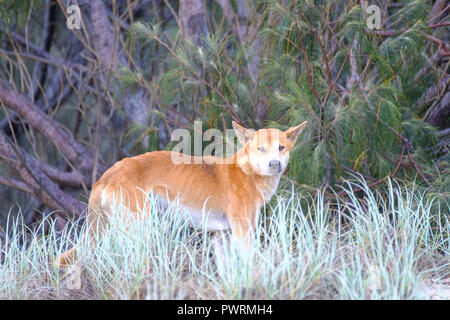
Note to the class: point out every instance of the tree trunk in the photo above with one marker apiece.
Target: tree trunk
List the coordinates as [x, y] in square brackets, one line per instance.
[111, 58]
[192, 15]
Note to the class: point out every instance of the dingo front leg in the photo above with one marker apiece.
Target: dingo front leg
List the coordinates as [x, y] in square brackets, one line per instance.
[241, 219]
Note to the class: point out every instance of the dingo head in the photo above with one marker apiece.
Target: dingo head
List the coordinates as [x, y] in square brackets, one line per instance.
[267, 150]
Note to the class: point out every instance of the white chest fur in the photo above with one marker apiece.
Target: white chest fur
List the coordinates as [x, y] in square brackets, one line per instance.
[267, 189]
[199, 219]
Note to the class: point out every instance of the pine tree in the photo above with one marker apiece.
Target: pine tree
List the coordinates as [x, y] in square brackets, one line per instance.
[321, 63]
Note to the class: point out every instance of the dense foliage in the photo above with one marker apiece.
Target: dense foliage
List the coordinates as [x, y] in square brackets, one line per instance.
[376, 100]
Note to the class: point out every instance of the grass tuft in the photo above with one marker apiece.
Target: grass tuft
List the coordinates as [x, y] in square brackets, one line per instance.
[373, 245]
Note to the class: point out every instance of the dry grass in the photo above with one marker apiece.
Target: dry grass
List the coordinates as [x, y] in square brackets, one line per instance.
[393, 245]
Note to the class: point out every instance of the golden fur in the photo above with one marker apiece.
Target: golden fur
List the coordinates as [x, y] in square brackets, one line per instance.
[233, 192]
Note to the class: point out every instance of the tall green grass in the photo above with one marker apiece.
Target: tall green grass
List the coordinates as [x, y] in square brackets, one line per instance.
[366, 245]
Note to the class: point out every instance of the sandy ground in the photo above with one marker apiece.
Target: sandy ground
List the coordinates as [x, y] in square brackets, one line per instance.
[429, 290]
[435, 291]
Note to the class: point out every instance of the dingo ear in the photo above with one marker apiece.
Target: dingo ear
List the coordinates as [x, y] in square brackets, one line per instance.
[293, 133]
[244, 135]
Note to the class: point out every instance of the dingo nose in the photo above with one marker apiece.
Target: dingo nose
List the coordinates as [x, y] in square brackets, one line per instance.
[274, 164]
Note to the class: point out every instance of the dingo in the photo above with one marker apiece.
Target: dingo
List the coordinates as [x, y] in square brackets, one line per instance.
[231, 193]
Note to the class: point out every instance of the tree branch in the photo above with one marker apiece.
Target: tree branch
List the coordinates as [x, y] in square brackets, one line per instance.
[37, 182]
[75, 153]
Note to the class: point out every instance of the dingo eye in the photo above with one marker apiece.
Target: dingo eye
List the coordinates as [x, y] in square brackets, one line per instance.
[261, 149]
[281, 148]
